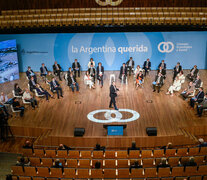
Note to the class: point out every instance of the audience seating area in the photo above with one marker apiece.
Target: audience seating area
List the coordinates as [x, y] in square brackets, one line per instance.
[114, 164]
[103, 16]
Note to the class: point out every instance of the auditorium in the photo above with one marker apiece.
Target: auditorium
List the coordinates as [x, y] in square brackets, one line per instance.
[103, 89]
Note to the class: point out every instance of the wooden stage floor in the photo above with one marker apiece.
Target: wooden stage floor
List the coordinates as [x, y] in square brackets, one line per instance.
[169, 114]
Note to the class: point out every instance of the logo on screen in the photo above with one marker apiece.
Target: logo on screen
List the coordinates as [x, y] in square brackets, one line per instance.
[166, 47]
[108, 2]
[117, 115]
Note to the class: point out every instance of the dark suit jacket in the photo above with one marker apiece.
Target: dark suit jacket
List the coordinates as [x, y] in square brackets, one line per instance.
[163, 72]
[161, 64]
[55, 69]
[31, 85]
[127, 63]
[161, 80]
[38, 90]
[93, 71]
[199, 96]
[198, 83]
[52, 86]
[195, 72]
[179, 69]
[125, 71]
[73, 65]
[28, 73]
[113, 91]
[102, 70]
[41, 70]
[145, 63]
[70, 80]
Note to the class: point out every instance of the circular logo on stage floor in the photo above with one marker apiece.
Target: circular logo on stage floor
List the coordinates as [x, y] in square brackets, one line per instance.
[113, 115]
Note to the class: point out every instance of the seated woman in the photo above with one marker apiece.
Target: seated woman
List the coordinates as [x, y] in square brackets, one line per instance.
[16, 106]
[17, 90]
[137, 70]
[88, 80]
[181, 77]
[139, 80]
[41, 91]
[175, 87]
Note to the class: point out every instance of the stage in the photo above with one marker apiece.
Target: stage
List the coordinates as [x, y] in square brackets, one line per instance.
[54, 121]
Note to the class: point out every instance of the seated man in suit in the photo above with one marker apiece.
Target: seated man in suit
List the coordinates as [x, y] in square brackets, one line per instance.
[49, 77]
[63, 147]
[99, 148]
[134, 166]
[32, 84]
[57, 70]
[163, 164]
[197, 82]
[16, 106]
[188, 91]
[100, 73]
[158, 82]
[130, 65]
[133, 147]
[176, 70]
[58, 164]
[30, 73]
[28, 98]
[162, 71]
[198, 98]
[27, 145]
[147, 66]
[72, 82]
[41, 91]
[123, 72]
[76, 67]
[91, 63]
[43, 70]
[201, 106]
[193, 73]
[56, 86]
[92, 72]
[191, 162]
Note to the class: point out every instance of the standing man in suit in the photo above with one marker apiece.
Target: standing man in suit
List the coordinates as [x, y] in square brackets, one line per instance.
[147, 66]
[56, 86]
[130, 65]
[76, 67]
[30, 73]
[100, 73]
[113, 95]
[176, 70]
[32, 84]
[198, 98]
[92, 72]
[57, 70]
[158, 82]
[43, 70]
[123, 72]
[72, 82]
[202, 106]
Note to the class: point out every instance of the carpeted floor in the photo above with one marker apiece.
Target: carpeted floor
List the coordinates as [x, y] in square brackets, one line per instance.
[6, 161]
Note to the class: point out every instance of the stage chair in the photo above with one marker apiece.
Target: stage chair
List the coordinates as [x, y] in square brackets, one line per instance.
[85, 154]
[50, 153]
[39, 153]
[69, 173]
[83, 173]
[134, 154]
[200, 160]
[148, 162]
[158, 153]
[62, 153]
[193, 151]
[27, 152]
[164, 172]
[84, 163]
[110, 154]
[173, 161]
[109, 163]
[36, 94]
[30, 171]
[150, 172]
[15, 111]
[13, 93]
[74, 154]
[96, 174]
[123, 173]
[123, 163]
[71, 163]
[110, 173]
[137, 173]
[46, 162]
[122, 154]
[195, 178]
[190, 170]
[146, 153]
[98, 154]
[17, 170]
[35, 161]
[56, 172]
[202, 169]
[24, 178]
[170, 152]
[177, 171]
[43, 171]
[203, 151]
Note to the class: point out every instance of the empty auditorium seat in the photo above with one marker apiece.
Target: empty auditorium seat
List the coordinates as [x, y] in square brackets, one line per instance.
[110, 154]
[123, 173]
[84, 163]
[71, 163]
[110, 173]
[56, 172]
[146, 153]
[109, 163]
[30, 171]
[96, 174]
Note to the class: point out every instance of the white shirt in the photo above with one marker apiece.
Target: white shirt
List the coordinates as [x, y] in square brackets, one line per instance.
[89, 64]
[3, 99]
[27, 95]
